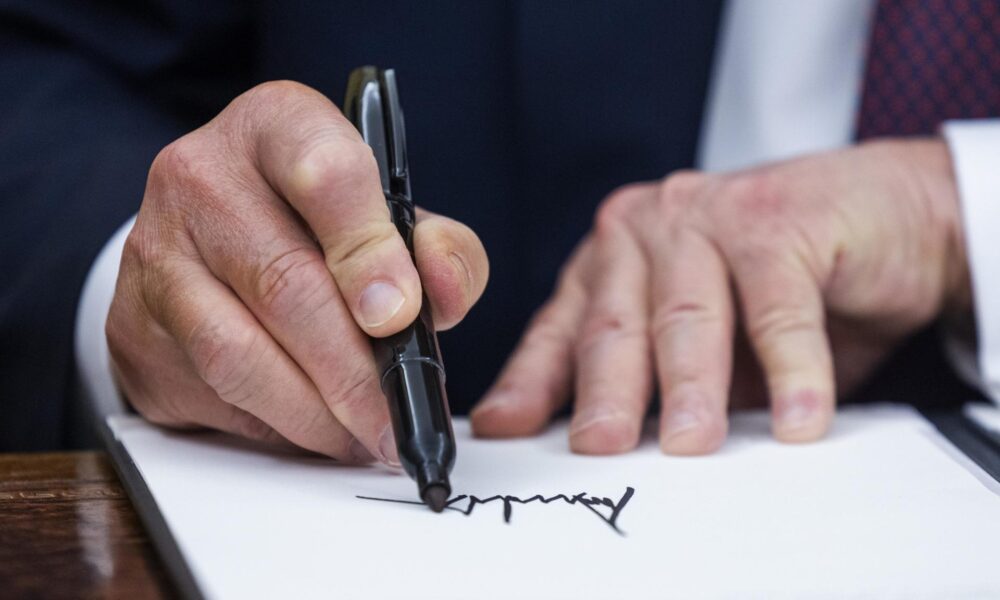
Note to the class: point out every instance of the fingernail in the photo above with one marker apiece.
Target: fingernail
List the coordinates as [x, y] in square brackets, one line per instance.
[587, 420]
[387, 448]
[679, 422]
[798, 410]
[359, 453]
[380, 302]
[497, 401]
[603, 431]
[797, 415]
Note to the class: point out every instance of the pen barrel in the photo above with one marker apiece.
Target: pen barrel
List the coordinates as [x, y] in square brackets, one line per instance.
[412, 378]
[409, 362]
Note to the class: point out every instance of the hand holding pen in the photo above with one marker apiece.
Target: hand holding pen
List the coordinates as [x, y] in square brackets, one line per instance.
[409, 362]
[275, 258]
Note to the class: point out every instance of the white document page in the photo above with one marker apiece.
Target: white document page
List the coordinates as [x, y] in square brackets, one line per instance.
[883, 508]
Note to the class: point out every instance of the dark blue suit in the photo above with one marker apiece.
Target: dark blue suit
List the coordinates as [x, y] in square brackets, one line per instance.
[521, 116]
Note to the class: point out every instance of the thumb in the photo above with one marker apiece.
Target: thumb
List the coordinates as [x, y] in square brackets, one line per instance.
[453, 266]
[315, 158]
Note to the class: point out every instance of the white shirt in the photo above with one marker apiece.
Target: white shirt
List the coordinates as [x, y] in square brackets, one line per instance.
[787, 81]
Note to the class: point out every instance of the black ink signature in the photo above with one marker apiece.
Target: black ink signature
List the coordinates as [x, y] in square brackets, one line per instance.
[589, 502]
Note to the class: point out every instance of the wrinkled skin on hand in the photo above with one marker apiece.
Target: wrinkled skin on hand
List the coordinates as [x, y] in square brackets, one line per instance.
[785, 284]
[262, 257]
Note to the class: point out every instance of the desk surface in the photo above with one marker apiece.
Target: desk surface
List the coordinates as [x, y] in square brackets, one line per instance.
[67, 529]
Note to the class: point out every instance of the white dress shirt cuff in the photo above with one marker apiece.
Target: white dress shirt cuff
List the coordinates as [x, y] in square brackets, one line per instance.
[91, 346]
[975, 152]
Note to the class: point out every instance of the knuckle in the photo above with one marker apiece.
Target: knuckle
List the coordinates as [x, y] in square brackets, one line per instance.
[117, 330]
[225, 358]
[142, 248]
[352, 159]
[754, 218]
[291, 282]
[183, 185]
[607, 326]
[149, 275]
[276, 93]
[751, 247]
[183, 194]
[668, 316]
[166, 162]
[265, 100]
[617, 208]
[679, 186]
[356, 246]
[777, 322]
[184, 163]
[677, 195]
[670, 323]
[757, 196]
[328, 168]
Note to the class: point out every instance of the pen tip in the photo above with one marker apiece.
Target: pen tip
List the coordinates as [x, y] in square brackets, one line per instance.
[435, 496]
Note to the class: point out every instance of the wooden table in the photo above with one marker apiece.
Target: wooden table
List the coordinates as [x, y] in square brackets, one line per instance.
[67, 530]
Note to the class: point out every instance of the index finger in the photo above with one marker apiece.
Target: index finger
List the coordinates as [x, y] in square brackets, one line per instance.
[315, 159]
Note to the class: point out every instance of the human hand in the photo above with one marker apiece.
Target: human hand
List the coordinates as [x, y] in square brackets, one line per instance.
[261, 256]
[786, 283]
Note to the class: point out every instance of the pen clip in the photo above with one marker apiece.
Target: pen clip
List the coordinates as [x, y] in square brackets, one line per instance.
[373, 106]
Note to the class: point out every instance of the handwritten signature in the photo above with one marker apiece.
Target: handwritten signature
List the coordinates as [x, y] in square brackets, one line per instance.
[465, 504]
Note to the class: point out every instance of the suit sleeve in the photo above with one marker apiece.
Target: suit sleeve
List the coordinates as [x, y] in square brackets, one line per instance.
[975, 151]
[91, 91]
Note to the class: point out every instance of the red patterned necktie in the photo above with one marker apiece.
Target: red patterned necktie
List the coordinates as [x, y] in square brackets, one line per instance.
[930, 61]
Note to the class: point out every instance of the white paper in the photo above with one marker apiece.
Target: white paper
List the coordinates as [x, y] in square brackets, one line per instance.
[881, 509]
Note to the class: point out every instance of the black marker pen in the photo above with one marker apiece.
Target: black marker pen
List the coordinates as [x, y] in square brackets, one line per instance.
[409, 362]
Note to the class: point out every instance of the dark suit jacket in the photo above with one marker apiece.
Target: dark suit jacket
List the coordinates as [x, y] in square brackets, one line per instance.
[521, 116]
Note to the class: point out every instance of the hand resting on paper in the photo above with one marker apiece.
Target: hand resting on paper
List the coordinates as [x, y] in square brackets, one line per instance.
[262, 253]
[786, 283]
